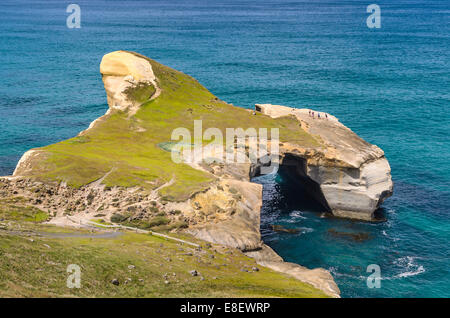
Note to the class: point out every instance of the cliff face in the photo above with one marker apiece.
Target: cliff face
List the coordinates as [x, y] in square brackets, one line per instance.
[120, 166]
[128, 79]
[346, 174]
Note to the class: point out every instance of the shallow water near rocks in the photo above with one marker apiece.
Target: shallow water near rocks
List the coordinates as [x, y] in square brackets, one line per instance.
[346, 248]
[389, 85]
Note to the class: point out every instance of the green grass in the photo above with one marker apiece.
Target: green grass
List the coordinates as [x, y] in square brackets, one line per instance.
[140, 93]
[33, 266]
[119, 144]
[159, 223]
[16, 209]
[101, 222]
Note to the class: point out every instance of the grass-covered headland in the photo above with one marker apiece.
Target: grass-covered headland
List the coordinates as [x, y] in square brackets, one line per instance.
[128, 148]
[120, 172]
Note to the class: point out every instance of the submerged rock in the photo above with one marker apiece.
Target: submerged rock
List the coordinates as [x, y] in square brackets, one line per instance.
[359, 236]
[280, 228]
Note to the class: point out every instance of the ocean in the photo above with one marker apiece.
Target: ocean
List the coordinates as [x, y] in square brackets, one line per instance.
[389, 85]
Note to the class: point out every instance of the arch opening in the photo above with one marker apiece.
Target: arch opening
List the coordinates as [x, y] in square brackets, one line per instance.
[293, 169]
[292, 185]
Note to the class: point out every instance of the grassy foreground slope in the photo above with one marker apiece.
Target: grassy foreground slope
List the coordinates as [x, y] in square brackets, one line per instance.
[33, 265]
[127, 148]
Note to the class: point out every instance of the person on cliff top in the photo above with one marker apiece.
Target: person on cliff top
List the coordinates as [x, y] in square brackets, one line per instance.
[318, 115]
[312, 114]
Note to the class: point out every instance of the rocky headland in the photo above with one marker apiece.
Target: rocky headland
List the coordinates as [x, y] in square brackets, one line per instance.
[120, 169]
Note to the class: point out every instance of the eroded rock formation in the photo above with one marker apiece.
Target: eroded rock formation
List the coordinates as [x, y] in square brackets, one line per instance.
[348, 175]
[122, 74]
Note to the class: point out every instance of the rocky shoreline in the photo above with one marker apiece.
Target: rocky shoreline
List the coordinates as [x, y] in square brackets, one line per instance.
[347, 175]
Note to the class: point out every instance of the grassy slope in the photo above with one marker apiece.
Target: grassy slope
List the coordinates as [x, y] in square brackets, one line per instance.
[134, 158]
[33, 266]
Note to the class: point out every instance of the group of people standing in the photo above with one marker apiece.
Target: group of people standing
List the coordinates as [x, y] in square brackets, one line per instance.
[311, 114]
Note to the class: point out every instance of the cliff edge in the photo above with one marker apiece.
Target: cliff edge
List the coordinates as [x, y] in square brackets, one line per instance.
[348, 175]
[121, 166]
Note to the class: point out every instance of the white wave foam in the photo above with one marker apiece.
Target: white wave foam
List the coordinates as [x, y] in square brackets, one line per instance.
[411, 267]
[297, 215]
[306, 230]
[419, 270]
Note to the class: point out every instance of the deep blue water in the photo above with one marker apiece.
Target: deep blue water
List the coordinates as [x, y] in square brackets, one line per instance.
[389, 85]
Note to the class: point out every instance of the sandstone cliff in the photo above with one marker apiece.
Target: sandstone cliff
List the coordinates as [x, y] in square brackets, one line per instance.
[120, 168]
[347, 175]
[128, 79]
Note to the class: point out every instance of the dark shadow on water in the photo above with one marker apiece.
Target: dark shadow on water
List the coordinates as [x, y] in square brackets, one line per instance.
[294, 194]
[282, 195]
[380, 215]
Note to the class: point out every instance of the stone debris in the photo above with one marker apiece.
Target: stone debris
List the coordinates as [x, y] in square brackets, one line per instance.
[193, 272]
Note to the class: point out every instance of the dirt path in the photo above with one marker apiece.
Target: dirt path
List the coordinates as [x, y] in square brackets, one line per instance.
[103, 235]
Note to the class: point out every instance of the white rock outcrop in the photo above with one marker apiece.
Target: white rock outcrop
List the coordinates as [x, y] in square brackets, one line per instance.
[349, 176]
[121, 70]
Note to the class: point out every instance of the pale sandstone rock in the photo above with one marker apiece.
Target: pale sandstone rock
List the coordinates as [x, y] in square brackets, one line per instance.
[349, 176]
[121, 70]
[265, 253]
[318, 277]
[241, 229]
[25, 163]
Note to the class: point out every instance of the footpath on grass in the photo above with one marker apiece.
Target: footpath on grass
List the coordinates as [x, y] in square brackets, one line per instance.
[118, 226]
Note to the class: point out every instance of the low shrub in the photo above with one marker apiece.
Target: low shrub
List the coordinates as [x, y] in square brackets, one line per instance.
[118, 218]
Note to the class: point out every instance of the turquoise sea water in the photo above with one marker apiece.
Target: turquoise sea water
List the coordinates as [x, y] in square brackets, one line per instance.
[390, 85]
